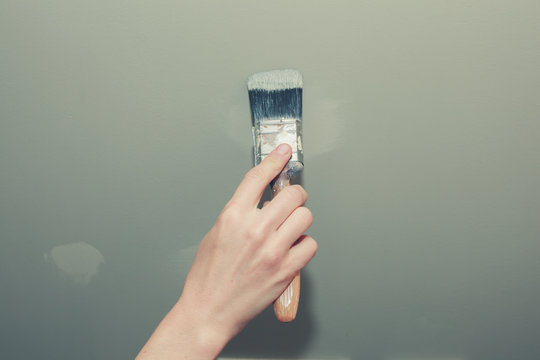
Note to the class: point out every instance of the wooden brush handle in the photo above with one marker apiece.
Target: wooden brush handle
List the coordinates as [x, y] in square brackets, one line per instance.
[286, 306]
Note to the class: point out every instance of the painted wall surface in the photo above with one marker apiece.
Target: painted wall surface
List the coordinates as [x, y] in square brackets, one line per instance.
[125, 127]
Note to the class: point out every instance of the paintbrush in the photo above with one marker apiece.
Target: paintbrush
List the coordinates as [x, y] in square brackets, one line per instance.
[276, 107]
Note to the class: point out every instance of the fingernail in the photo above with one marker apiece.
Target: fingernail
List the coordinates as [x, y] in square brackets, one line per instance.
[283, 149]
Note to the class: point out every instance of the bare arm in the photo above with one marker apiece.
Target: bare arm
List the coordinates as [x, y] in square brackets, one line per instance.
[242, 265]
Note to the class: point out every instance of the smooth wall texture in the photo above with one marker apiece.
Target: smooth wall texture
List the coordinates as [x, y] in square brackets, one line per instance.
[125, 127]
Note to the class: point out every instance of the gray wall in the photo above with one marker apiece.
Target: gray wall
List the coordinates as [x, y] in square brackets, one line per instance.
[125, 128]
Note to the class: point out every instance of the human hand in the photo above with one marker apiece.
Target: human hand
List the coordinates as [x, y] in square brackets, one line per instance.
[250, 255]
[242, 265]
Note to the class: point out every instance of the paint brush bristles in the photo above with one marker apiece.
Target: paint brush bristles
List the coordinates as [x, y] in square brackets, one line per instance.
[275, 80]
[276, 107]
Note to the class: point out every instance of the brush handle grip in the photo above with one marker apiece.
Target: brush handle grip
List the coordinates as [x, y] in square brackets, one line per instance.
[286, 306]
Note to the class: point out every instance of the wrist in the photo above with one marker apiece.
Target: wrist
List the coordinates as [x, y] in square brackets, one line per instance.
[185, 334]
[208, 336]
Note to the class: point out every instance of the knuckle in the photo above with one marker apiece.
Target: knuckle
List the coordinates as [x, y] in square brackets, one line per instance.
[296, 193]
[255, 235]
[272, 258]
[256, 174]
[272, 165]
[286, 276]
[309, 250]
[273, 162]
[229, 216]
[312, 246]
[306, 215]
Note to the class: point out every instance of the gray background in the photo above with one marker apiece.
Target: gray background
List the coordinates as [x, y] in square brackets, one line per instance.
[125, 128]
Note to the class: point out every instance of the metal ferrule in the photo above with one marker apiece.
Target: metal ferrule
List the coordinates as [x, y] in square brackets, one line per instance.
[270, 133]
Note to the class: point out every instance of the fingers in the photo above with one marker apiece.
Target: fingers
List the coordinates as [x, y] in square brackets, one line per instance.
[279, 209]
[296, 249]
[301, 253]
[295, 225]
[252, 186]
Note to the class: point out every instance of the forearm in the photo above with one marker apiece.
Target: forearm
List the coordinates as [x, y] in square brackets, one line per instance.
[184, 334]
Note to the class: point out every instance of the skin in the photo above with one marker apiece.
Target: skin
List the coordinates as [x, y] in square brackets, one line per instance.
[242, 265]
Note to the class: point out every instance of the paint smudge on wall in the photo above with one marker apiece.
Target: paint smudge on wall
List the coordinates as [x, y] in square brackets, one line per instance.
[79, 261]
[322, 130]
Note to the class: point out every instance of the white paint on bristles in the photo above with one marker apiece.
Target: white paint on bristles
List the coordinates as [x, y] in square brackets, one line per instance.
[275, 80]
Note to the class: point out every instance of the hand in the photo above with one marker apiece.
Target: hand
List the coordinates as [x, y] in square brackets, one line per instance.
[242, 265]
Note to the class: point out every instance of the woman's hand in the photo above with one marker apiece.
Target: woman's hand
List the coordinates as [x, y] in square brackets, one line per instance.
[242, 265]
